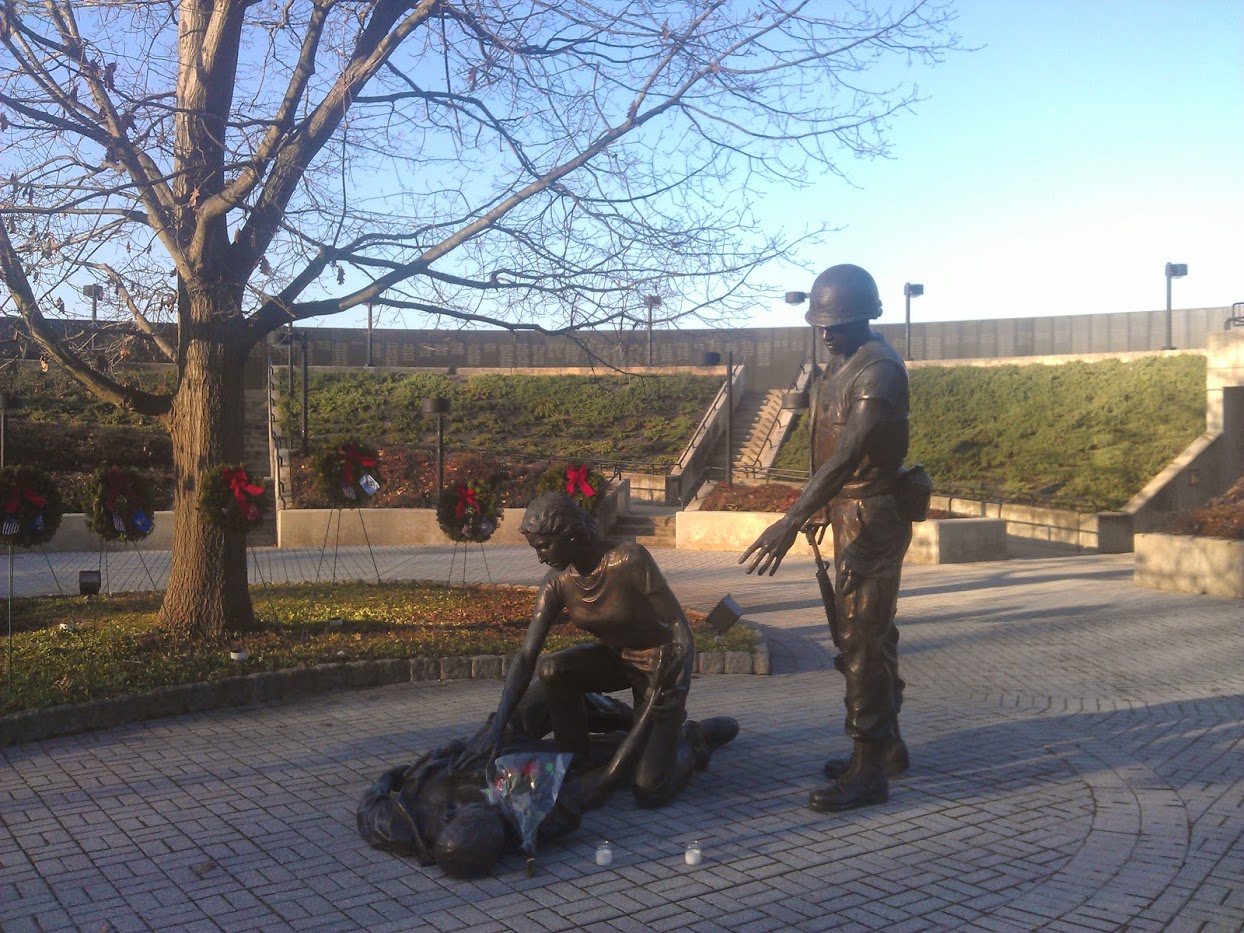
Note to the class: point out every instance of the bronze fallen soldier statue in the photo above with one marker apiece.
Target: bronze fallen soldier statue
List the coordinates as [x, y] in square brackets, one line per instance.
[443, 816]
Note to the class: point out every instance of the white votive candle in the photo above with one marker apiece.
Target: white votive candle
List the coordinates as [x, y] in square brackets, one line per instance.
[604, 854]
[694, 854]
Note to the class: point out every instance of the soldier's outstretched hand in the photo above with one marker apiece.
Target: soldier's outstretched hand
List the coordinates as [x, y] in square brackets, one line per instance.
[771, 547]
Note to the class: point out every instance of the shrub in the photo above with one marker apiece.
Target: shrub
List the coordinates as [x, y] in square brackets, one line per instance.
[772, 497]
[1222, 517]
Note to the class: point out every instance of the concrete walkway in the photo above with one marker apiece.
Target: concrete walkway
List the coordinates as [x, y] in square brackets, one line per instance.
[1077, 748]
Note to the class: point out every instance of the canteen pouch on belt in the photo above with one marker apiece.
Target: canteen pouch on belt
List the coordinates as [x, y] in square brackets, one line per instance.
[913, 492]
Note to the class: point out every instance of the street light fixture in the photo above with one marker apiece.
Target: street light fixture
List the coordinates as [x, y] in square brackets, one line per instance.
[650, 302]
[94, 291]
[440, 408]
[910, 291]
[798, 298]
[1174, 270]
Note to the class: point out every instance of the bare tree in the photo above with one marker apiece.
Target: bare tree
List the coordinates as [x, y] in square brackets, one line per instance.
[231, 166]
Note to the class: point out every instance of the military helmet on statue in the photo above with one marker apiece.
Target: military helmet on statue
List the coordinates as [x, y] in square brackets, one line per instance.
[843, 294]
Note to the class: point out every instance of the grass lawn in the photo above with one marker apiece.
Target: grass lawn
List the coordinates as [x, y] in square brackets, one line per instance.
[111, 646]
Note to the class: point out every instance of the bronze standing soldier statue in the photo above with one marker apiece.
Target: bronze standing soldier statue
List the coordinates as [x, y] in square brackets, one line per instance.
[858, 488]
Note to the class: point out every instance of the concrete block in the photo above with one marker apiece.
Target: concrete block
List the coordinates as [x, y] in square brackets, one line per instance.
[957, 540]
[237, 691]
[1114, 533]
[455, 668]
[392, 671]
[1188, 564]
[761, 663]
[486, 667]
[331, 676]
[738, 662]
[711, 662]
[300, 681]
[425, 669]
[362, 674]
[266, 686]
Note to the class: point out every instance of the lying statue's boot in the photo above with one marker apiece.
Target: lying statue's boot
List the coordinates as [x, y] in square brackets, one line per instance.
[863, 784]
[708, 736]
[896, 760]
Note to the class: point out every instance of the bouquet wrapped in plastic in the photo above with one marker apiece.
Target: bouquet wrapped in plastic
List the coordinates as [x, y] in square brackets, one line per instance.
[525, 786]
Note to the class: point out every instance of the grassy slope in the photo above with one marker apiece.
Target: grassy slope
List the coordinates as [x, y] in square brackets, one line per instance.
[1097, 431]
[640, 418]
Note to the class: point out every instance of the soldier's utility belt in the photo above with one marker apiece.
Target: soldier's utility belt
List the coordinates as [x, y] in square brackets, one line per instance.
[911, 486]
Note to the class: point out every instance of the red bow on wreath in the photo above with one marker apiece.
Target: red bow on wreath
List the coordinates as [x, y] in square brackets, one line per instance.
[15, 500]
[241, 487]
[466, 500]
[576, 478]
[349, 457]
[118, 485]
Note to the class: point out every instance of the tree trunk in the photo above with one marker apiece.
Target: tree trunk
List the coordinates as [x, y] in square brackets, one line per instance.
[208, 595]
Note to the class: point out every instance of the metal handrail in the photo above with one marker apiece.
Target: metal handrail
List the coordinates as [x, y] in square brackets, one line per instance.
[755, 468]
[706, 422]
[1018, 497]
[1237, 316]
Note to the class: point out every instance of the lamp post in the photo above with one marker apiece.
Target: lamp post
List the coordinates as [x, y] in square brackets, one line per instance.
[1174, 270]
[729, 418]
[439, 407]
[8, 402]
[369, 330]
[910, 291]
[650, 302]
[798, 298]
[94, 291]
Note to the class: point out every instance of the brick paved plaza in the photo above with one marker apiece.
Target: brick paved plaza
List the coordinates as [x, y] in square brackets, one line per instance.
[1077, 748]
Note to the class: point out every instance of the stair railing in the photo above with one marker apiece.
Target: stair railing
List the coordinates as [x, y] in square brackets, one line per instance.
[780, 424]
[685, 477]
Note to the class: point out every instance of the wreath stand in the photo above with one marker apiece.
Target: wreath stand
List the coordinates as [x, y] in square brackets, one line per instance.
[8, 664]
[106, 575]
[336, 545]
[466, 549]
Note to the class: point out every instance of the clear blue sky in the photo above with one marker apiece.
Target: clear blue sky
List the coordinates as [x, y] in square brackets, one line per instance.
[1055, 170]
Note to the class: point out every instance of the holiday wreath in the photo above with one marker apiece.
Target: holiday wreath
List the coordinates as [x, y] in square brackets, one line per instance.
[579, 481]
[469, 511]
[228, 499]
[30, 506]
[119, 504]
[347, 473]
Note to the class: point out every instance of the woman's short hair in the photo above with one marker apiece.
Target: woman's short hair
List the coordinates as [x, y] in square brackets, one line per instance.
[555, 513]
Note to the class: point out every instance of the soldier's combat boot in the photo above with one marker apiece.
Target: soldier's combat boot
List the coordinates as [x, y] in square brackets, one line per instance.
[863, 784]
[896, 760]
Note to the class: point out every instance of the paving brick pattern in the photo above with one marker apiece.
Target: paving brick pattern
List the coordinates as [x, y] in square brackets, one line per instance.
[1078, 764]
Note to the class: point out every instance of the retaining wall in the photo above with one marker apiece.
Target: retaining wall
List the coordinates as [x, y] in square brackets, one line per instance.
[1213, 566]
[936, 541]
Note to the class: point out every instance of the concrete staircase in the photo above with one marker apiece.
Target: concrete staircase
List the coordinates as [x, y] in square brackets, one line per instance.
[647, 524]
[752, 419]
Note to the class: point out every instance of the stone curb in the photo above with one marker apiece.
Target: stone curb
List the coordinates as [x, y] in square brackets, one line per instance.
[278, 686]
